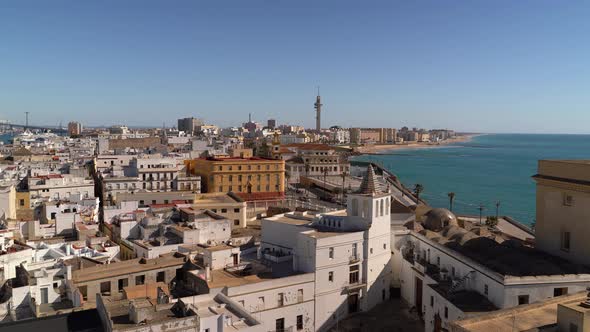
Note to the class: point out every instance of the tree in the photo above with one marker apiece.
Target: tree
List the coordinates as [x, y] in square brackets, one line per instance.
[497, 208]
[481, 207]
[418, 189]
[451, 199]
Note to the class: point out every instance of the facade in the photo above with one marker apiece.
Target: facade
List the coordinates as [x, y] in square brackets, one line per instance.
[373, 135]
[59, 186]
[246, 176]
[450, 270]
[74, 128]
[349, 252]
[189, 125]
[563, 197]
[313, 160]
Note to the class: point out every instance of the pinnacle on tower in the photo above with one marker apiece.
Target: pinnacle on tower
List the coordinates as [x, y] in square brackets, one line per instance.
[370, 185]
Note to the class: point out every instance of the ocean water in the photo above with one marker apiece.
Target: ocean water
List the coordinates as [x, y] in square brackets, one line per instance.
[487, 169]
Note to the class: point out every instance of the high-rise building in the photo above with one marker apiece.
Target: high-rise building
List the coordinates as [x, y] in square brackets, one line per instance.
[189, 125]
[74, 128]
[271, 123]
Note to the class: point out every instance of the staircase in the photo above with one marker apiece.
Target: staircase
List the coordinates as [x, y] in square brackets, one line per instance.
[461, 281]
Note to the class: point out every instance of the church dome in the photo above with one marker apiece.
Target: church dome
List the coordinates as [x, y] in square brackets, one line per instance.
[439, 218]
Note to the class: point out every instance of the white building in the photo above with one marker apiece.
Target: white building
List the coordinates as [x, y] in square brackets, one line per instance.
[347, 250]
[449, 269]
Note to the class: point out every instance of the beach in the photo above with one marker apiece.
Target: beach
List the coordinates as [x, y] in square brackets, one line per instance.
[380, 148]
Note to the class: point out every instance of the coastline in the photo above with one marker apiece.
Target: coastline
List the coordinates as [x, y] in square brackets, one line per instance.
[382, 148]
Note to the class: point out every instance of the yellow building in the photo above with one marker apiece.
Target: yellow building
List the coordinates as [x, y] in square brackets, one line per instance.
[563, 198]
[251, 178]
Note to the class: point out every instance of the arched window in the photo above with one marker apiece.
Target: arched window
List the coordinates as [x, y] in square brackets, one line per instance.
[377, 208]
[387, 208]
[366, 209]
[355, 207]
[381, 207]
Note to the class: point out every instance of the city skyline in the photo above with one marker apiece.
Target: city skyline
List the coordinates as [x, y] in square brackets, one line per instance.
[506, 67]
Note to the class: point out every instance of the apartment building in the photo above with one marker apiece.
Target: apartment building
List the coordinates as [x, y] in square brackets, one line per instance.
[313, 160]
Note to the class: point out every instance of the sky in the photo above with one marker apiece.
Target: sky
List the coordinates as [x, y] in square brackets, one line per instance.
[477, 66]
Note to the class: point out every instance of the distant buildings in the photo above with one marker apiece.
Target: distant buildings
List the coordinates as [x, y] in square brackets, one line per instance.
[74, 128]
[373, 135]
[271, 123]
[189, 125]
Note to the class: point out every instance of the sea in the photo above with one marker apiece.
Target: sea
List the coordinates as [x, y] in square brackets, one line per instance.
[485, 170]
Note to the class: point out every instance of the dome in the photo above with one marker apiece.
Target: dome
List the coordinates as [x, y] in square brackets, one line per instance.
[439, 218]
[413, 225]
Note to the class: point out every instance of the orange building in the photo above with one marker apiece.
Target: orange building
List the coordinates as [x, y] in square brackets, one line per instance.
[251, 178]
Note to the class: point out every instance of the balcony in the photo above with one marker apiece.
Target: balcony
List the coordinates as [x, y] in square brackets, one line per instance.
[355, 285]
[354, 259]
[277, 257]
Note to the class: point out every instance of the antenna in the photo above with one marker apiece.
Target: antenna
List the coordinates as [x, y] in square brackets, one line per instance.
[26, 120]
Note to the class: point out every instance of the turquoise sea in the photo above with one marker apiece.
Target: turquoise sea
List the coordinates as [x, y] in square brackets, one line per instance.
[487, 169]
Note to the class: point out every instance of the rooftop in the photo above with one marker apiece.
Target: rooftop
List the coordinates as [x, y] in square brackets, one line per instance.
[127, 267]
[531, 317]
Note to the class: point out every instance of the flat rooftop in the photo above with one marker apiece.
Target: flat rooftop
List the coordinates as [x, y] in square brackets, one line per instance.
[127, 267]
[214, 198]
[466, 300]
[258, 272]
[573, 171]
[531, 317]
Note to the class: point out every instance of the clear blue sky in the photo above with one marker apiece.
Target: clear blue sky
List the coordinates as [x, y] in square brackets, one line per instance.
[489, 66]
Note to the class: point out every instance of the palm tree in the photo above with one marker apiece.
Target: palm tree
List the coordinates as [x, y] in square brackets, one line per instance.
[497, 209]
[451, 199]
[418, 189]
[481, 207]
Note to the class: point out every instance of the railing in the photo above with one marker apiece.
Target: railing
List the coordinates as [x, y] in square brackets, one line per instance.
[353, 259]
[277, 257]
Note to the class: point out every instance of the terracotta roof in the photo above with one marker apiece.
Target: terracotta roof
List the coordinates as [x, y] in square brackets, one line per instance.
[369, 185]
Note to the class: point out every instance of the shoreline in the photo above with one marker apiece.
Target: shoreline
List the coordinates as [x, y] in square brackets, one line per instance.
[382, 148]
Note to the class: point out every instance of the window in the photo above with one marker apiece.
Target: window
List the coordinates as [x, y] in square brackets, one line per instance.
[453, 271]
[354, 250]
[384, 245]
[432, 301]
[84, 292]
[105, 288]
[353, 277]
[299, 322]
[237, 210]
[236, 222]
[161, 276]
[371, 250]
[261, 303]
[280, 325]
[140, 280]
[331, 253]
[224, 210]
[568, 200]
[565, 241]
[355, 207]
[280, 299]
[523, 299]
[331, 276]
[559, 291]
[446, 312]
[485, 289]
[22, 202]
[300, 295]
[122, 283]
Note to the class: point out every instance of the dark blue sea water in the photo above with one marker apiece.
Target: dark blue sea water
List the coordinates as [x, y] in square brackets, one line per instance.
[485, 170]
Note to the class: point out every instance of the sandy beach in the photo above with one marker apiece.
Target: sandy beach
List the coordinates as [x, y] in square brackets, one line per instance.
[381, 148]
